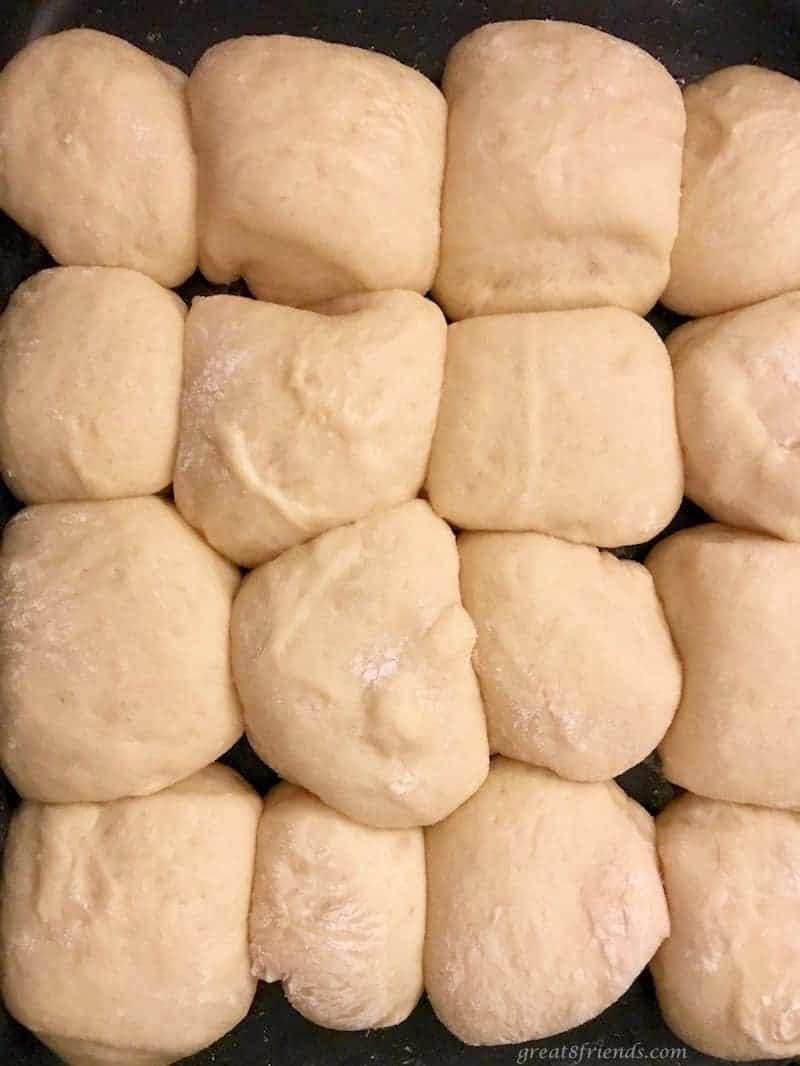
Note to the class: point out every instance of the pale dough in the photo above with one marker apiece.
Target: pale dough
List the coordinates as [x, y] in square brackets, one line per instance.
[294, 422]
[561, 422]
[563, 171]
[338, 913]
[574, 658]
[91, 361]
[352, 657]
[320, 168]
[739, 235]
[737, 393]
[544, 904]
[114, 661]
[731, 603]
[727, 978]
[124, 924]
[96, 157]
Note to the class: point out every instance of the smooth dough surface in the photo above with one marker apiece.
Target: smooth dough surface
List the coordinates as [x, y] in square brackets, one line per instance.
[575, 661]
[727, 978]
[320, 168]
[124, 924]
[96, 156]
[294, 422]
[352, 658]
[737, 394]
[115, 676]
[561, 422]
[91, 361]
[739, 235]
[338, 912]
[731, 603]
[563, 171]
[544, 904]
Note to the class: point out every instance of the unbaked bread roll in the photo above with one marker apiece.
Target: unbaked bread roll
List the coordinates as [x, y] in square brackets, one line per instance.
[574, 658]
[320, 168]
[731, 602]
[338, 913]
[352, 658]
[737, 393]
[560, 422]
[544, 903]
[739, 235]
[728, 976]
[91, 361]
[114, 660]
[97, 158]
[124, 924]
[294, 422]
[563, 171]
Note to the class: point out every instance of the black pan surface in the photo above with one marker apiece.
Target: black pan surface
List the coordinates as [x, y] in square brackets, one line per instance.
[692, 37]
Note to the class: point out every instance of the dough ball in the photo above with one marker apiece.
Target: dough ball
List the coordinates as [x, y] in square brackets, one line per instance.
[338, 913]
[563, 171]
[562, 423]
[574, 658]
[321, 168]
[294, 421]
[114, 656]
[728, 977]
[739, 235]
[124, 924]
[544, 903]
[731, 602]
[352, 657]
[96, 156]
[90, 377]
[737, 392]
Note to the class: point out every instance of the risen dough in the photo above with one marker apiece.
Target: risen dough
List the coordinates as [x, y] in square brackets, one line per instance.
[90, 377]
[321, 168]
[728, 976]
[114, 662]
[737, 392]
[560, 422]
[731, 602]
[352, 657]
[124, 925]
[739, 235]
[544, 903]
[96, 157]
[294, 422]
[574, 658]
[338, 913]
[563, 171]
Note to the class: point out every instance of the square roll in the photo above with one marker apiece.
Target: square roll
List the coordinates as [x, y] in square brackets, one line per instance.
[563, 171]
[561, 423]
[321, 168]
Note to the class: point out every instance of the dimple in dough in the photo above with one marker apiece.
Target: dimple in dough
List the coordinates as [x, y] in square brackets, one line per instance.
[96, 156]
[115, 675]
[294, 422]
[563, 171]
[91, 361]
[338, 912]
[731, 599]
[739, 235]
[728, 975]
[574, 658]
[544, 904]
[124, 924]
[351, 654]
[320, 168]
[737, 394]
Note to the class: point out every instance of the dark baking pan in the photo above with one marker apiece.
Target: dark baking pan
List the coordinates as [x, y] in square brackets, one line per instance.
[692, 37]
